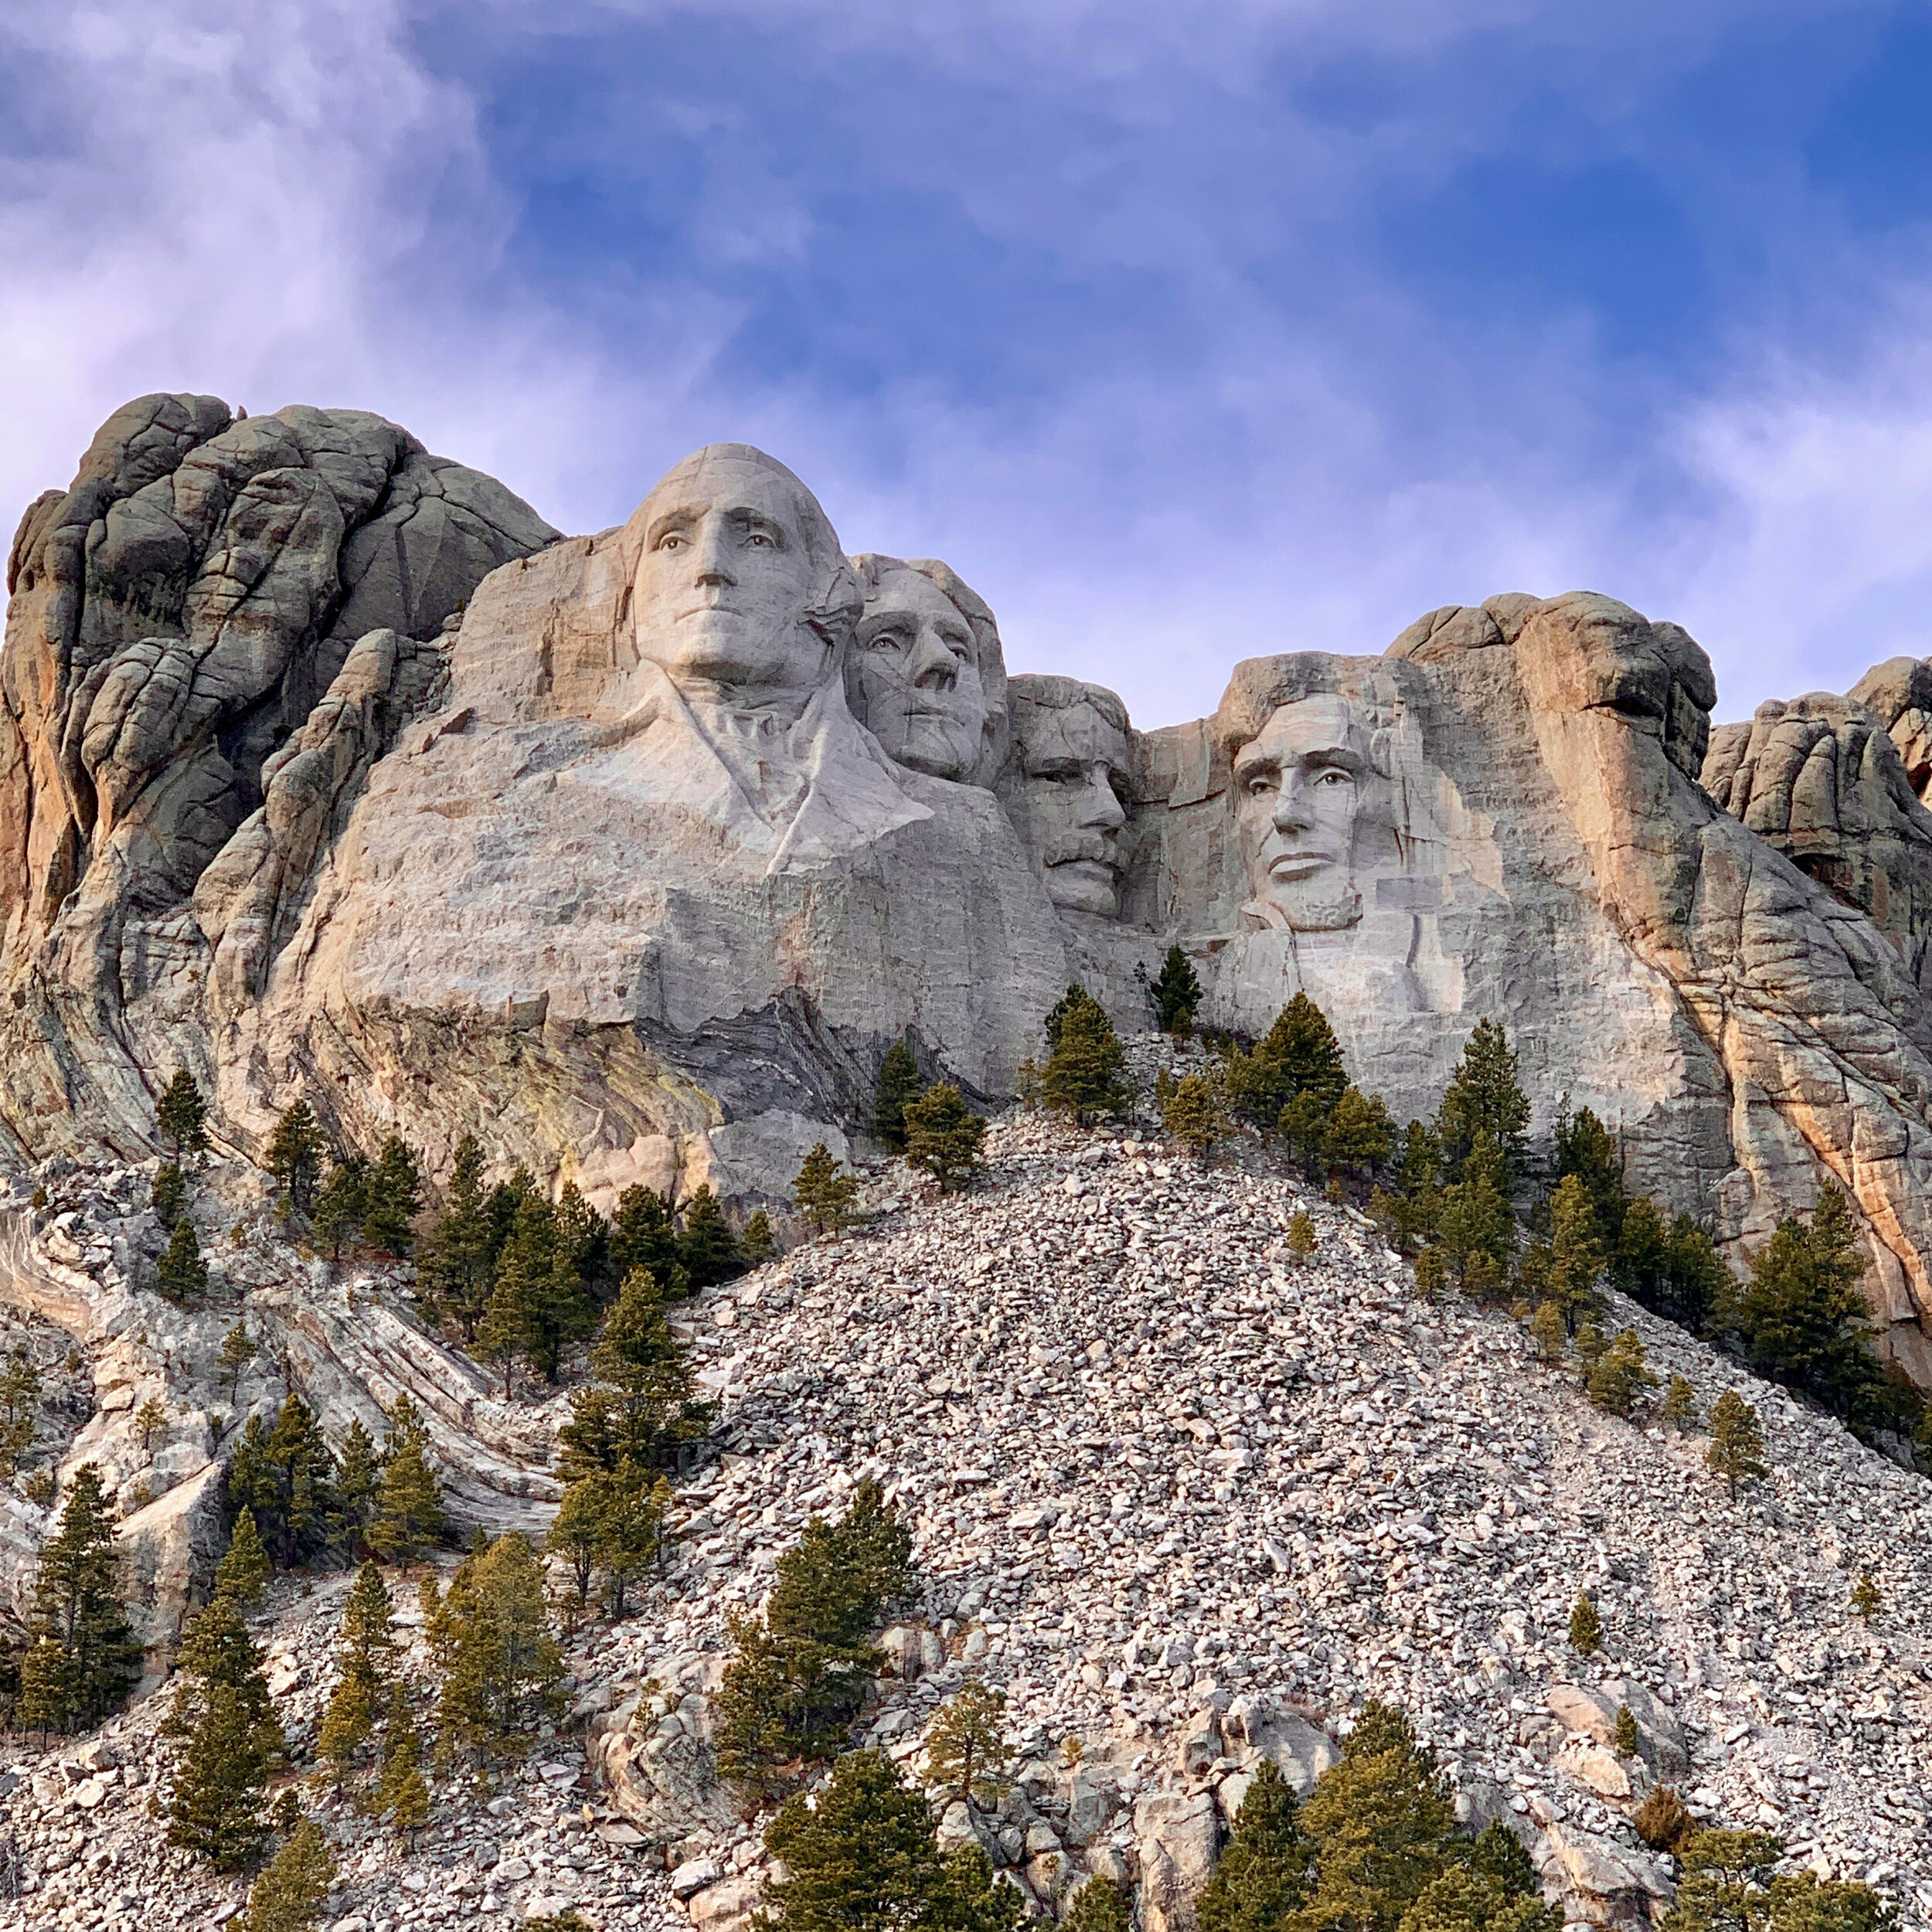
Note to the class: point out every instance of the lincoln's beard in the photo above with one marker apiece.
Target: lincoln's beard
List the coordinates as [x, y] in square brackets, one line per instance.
[1326, 902]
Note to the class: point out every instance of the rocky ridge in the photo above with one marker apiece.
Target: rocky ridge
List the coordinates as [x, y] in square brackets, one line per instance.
[1185, 1500]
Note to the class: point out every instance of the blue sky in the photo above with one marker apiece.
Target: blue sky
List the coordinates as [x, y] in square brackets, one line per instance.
[1184, 334]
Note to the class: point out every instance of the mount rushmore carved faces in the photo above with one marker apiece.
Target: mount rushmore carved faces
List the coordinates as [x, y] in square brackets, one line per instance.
[1066, 785]
[913, 676]
[1299, 790]
[741, 594]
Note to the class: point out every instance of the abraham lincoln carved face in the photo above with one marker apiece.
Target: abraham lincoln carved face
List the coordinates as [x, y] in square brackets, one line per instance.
[1300, 788]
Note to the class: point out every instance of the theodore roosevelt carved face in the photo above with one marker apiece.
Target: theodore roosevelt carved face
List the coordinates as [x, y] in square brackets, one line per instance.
[740, 591]
[1299, 788]
[913, 676]
[1066, 788]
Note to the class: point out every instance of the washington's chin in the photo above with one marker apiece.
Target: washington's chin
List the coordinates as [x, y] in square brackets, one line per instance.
[1084, 885]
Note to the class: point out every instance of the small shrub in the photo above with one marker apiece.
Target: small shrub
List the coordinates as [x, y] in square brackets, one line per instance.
[1586, 1627]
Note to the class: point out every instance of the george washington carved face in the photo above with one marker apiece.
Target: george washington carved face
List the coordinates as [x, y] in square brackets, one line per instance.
[1300, 788]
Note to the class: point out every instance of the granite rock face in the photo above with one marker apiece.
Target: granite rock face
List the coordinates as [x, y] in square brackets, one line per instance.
[326, 770]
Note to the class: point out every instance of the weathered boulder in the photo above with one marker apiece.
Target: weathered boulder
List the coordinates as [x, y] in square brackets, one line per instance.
[1178, 1837]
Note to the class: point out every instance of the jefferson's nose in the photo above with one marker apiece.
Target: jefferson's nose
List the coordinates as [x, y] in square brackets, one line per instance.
[1103, 807]
[935, 667]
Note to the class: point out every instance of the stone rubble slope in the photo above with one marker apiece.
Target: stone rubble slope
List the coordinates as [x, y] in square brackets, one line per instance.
[1187, 1501]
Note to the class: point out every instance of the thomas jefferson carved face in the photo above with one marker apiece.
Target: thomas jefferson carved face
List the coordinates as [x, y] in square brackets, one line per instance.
[1298, 787]
[915, 667]
[732, 573]
[1068, 795]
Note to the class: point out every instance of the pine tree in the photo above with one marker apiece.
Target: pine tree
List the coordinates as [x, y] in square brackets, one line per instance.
[170, 1194]
[860, 1859]
[1736, 1452]
[83, 1660]
[822, 1192]
[1629, 1739]
[1575, 1254]
[1359, 1138]
[632, 1534]
[1678, 1410]
[1498, 1854]
[757, 1244]
[1299, 1055]
[1803, 1321]
[1546, 1328]
[1586, 1152]
[943, 1136]
[1585, 1626]
[1304, 1126]
[290, 1894]
[1263, 1874]
[705, 1244]
[458, 1260]
[1099, 1906]
[1664, 1821]
[1412, 1210]
[402, 1790]
[1302, 1235]
[1589, 1343]
[639, 1406]
[585, 1234]
[1475, 1229]
[150, 1420]
[295, 1151]
[1673, 1269]
[19, 1407]
[504, 1670]
[237, 1350]
[1176, 993]
[644, 1234]
[358, 1478]
[967, 1754]
[538, 1305]
[408, 1514]
[576, 1531]
[1466, 1900]
[182, 1115]
[1728, 1880]
[1194, 1112]
[1383, 1824]
[243, 1572]
[181, 1273]
[1086, 1072]
[1620, 1376]
[286, 1477]
[1866, 1599]
[214, 1805]
[392, 1200]
[365, 1656]
[343, 1201]
[1484, 1098]
[899, 1082]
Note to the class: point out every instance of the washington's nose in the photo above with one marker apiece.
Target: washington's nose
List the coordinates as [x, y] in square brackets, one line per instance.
[1103, 807]
[713, 559]
[935, 667]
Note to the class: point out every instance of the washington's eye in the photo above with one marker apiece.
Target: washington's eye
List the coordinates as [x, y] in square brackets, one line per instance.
[671, 540]
[758, 540]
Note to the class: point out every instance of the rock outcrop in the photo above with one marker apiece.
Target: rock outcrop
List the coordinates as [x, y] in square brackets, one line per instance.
[326, 771]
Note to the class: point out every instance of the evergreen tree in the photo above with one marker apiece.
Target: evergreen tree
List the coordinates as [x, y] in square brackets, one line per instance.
[19, 1407]
[1498, 1854]
[899, 1082]
[1672, 1268]
[1866, 1599]
[1383, 1824]
[1085, 1071]
[943, 1136]
[237, 1350]
[358, 1478]
[290, 1894]
[392, 1198]
[1264, 1876]
[1585, 1626]
[1299, 1055]
[364, 1658]
[1194, 1112]
[1576, 1255]
[1302, 1239]
[1679, 1409]
[503, 1669]
[1802, 1319]
[706, 1244]
[633, 1536]
[181, 1273]
[402, 1790]
[1475, 1231]
[585, 1235]
[1620, 1376]
[538, 1305]
[286, 1477]
[967, 1755]
[1585, 1151]
[639, 1406]
[243, 1572]
[170, 1194]
[1484, 1098]
[457, 1265]
[1099, 1906]
[1551, 1338]
[1304, 1126]
[1664, 1821]
[295, 1150]
[1359, 1138]
[182, 1115]
[860, 1859]
[342, 1203]
[1728, 1880]
[1736, 1452]
[644, 1234]
[1176, 993]
[214, 1805]
[822, 1192]
[1465, 1900]
[1629, 1739]
[1411, 1209]
[757, 1244]
[576, 1531]
[408, 1514]
[150, 1420]
[82, 1660]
